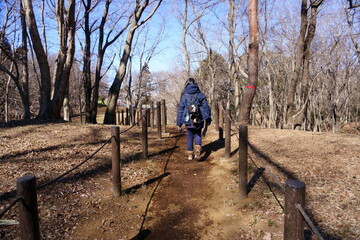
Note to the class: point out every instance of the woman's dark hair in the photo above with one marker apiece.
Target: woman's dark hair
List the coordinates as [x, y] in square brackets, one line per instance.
[190, 81]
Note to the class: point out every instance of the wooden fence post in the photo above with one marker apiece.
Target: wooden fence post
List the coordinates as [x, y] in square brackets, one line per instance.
[28, 208]
[221, 122]
[216, 116]
[294, 222]
[243, 161]
[144, 131]
[127, 122]
[158, 119]
[227, 134]
[122, 117]
[163, 116]
[115, 154]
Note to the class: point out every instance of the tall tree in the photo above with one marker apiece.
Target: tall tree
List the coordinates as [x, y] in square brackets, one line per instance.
[104, 42]
[52, 96]
[295, 114]
[45, 87]
[17, 57]
[120, 75]
[66, 30]
[253, 63]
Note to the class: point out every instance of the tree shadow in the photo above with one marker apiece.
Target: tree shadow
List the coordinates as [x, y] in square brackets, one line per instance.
[28, 122]
[148, 182]
[281, 169]
[7, 157]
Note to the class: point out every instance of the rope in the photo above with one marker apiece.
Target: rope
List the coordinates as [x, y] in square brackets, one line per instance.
[273, 177]
[308, 221]
[138, 121]
[267, 169]
[10, 206]
[77, 166]
[268, 185]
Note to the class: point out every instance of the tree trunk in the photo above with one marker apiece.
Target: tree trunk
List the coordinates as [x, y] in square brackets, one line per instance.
[65, 58]
[302, 66]
[66, 107]
[231, 51]
[45, 88]
[295, 76]
[7, 97]
[110, 115]
[87, 63]
[25, 69]
[253, 64]
[184, 33]
[272, 108]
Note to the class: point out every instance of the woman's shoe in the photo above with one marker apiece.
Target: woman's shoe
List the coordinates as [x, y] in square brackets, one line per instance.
[190, 155]
[197, 150]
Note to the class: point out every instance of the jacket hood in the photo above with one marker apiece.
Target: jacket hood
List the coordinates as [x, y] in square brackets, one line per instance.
[192, 88]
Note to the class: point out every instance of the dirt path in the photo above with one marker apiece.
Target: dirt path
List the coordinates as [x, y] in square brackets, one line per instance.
[198, 200]
[177, 209]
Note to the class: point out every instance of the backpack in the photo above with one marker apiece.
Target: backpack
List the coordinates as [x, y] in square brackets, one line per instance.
[193, 109]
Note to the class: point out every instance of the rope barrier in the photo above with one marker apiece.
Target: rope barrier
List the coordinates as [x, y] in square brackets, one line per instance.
[137, 122]
[77, 166]
[270, 172]
[10, 206]
[268, 185]
[308, 221]
[298, 206]
[267, 170]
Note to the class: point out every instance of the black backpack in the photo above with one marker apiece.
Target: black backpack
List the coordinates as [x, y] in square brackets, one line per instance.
[193, 109]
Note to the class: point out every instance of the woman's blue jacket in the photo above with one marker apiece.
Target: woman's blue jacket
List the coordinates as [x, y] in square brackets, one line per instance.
[191, 92]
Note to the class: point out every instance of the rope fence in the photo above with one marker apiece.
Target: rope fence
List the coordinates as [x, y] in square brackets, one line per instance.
[294, 190]
[27, 187]
[6, 209]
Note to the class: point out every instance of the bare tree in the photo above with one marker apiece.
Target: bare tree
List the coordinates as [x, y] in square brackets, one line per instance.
[45, 87]
[120, 75]
[253, 63]
[17, 57]
[351, 14]
[296, 114]
[105, 41]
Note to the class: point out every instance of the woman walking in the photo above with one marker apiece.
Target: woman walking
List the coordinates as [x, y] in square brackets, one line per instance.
[194, 112]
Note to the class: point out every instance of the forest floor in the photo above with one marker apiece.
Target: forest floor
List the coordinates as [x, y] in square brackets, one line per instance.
[165, 196]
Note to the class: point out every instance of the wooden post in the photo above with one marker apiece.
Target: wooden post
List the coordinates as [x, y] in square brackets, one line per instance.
[134, 116]
[28, 208]
[216, 116]
[115, 154]
[144, 131]
[158, 119]
[243, 161]
[163, 116]
[227, 134]
[118, 117]
[122, 117]
[127, 116]
[152, 114]
[221, 122]
[294, 222]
